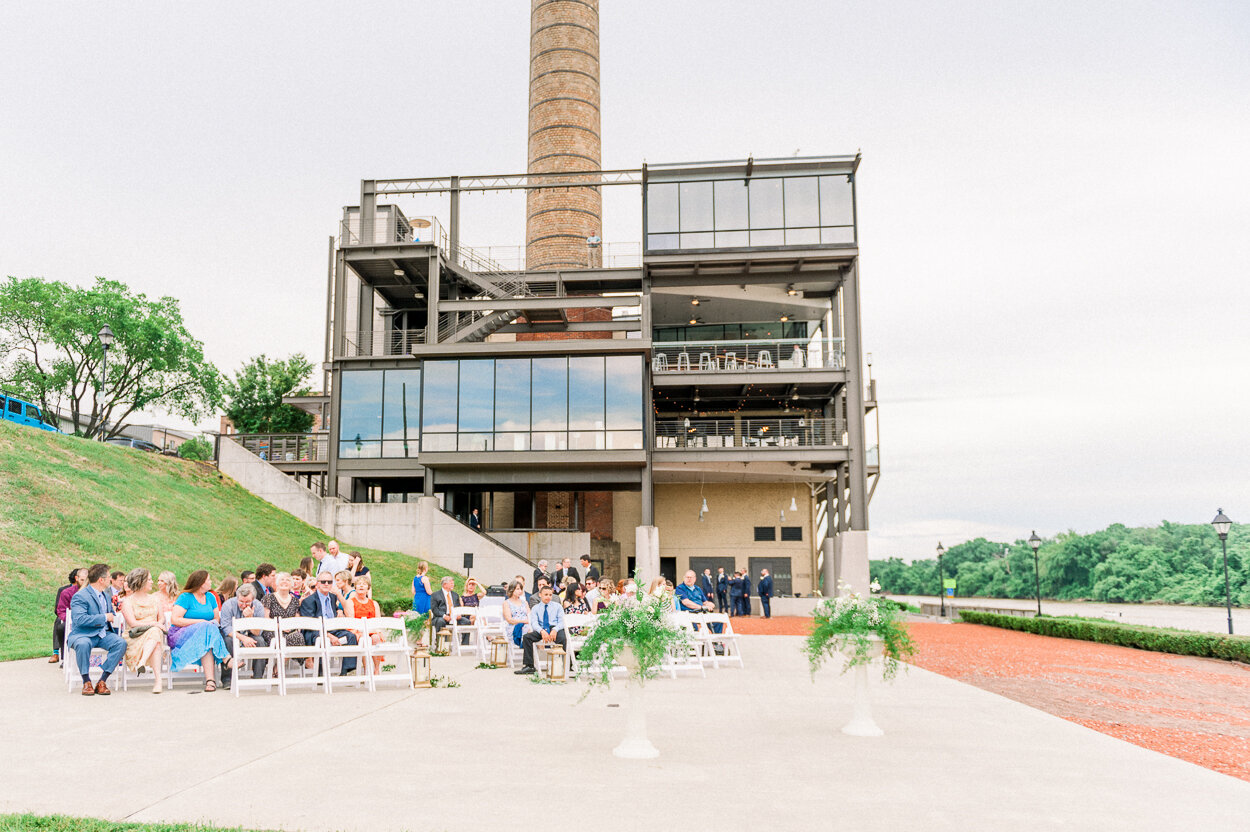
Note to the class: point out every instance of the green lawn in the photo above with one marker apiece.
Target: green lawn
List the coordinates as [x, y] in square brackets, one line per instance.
[67, 502]
[62, 823]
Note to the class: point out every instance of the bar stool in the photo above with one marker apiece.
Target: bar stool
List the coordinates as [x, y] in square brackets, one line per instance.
[683, 358]
[706, 362]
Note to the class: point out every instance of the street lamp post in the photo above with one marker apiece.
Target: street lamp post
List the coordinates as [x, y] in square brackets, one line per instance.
[1222, 526]
[1036, 543]
[941, 550]
[106, 340]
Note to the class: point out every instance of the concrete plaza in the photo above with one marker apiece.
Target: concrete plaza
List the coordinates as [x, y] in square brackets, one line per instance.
[742, 749]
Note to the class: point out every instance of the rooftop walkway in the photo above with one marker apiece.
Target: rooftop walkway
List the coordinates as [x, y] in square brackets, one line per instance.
[740, 750]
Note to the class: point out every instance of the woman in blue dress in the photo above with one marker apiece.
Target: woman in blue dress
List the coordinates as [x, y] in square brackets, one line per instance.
[421, 589]
[194, 636]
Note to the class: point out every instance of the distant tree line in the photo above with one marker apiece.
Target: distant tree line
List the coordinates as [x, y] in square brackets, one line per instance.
[1171, 563]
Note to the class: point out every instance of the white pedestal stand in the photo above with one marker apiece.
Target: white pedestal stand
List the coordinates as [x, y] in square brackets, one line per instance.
[862, 724]
[635, 746]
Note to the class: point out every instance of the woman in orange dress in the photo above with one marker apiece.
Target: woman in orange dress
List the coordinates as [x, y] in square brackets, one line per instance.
[360, 604]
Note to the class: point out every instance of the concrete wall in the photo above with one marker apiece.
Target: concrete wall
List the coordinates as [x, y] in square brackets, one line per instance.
[550, 545]
[273, 486]
[728, 529]
[444, 540]
[387, 526]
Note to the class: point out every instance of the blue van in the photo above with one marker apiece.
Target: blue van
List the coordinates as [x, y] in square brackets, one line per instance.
[24, 413]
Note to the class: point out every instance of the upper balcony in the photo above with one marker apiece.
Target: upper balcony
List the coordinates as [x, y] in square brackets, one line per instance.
[746, 356]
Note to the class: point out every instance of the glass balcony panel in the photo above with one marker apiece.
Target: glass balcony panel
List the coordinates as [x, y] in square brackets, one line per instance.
[512, 395]
[587, 440]
[731, 205]
[476, 441]
[549, 440]
[766, 204]
[802, 236]
[732, 239]
[700, 240]
[837, 236]
[624, 440]
[661, 242]
[661, 208]
[696, 207]
[360, 450]
[837, 206]
[512, 441]
[802, 202]
[438, 442]
[768, 238]
[399, 449]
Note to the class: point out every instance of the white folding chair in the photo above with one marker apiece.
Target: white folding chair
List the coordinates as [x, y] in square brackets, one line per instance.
[393, 649]
[69, 658]
[489, 624]
[301, 653]
[261, 630]
[726, 639]
[359, 651]
[463, 632]
[686, 657]
[583, 623]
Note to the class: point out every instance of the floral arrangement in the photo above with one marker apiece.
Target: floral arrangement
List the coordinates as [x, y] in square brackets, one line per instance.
[851, 623]
[415, 624]
[637, 622]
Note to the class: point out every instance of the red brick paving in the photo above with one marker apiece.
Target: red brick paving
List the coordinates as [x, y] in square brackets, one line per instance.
[1193, 709]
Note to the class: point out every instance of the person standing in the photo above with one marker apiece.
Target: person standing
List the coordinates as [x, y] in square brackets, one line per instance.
[421, 591]
[766, 593]
[746, 593]
[707, 585]
[334, 560]
[565, 572]
[735, 594]
[91, 622]
[263, 582]
[722, 590]
[475, 522]
[589, 570]
[541, 572]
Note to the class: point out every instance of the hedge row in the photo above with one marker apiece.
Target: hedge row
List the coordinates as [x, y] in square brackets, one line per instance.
[1158, 639]
[390, 606]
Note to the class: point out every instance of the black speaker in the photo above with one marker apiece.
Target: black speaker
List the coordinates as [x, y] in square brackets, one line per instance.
[468, 560]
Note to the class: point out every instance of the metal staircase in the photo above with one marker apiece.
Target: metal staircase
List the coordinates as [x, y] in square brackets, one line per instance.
[493, 282]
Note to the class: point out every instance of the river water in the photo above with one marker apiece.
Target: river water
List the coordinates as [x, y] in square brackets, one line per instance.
[1202, 619]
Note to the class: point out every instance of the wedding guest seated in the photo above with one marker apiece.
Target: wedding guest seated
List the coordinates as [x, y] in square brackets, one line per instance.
[343, 585]
[323, 603]
[194, 637]
[516, 611]
[225, 591]
[607, 595]
[282, 603]
[443, 605]
[472, 593]
[115, 592]
[145, 626]
[243, 605]
[690, 597]
[591, 585]
[534, 599]
[297, 582]
[546, 625]
[166, 592]
[574, 600]
[92, 626]
[263, 579]
[77, 580]
[356, 565]
[362, 605]
[247, 576]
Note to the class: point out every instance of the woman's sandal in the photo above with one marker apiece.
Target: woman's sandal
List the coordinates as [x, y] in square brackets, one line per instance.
[208, 689]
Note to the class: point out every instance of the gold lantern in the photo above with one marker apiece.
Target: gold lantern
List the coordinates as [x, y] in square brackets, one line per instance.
[442, 642]
[557, 664]
[420, 668]
[499, 651]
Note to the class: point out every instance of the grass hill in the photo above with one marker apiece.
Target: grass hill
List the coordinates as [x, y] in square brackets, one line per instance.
[68, 502]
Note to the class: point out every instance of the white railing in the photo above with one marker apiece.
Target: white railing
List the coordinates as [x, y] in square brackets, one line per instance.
[749, 355]
[620, 255]
[374, 343]
[748, 433]
[286, 447]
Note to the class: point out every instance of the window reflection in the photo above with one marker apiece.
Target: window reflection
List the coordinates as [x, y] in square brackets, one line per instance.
[360, 405]
[731, 204]
[695, 206]
[661, 208]
[512, 395]
[549, 394]
[477, 395]
[801, 202]
[401, 413]
[623, 406]
[837, 206]
[586, 384]
[440, 397]
[766, 207]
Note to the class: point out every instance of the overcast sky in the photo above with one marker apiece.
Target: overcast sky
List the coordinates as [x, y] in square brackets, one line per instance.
[1054, 201]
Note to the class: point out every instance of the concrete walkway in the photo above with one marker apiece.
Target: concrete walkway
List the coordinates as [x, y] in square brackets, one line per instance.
[757, 749]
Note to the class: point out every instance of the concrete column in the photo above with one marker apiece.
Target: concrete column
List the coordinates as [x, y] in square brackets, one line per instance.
[453, 226]
[647, 551]
[431, 300]
[368, 210]
[828, 566]
[858, 484]
[851, 559]
[427, 510]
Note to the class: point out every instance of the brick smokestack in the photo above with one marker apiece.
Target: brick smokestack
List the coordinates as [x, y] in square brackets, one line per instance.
[563, 132]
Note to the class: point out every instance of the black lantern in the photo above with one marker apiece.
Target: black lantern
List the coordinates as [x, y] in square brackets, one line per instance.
[1222, 526]
[941, 550]
[1035, 543]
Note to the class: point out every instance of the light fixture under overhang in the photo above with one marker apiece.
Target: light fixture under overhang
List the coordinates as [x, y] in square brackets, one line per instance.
[791, 291]
[399, 272]
[694, 301]
[418, 294]
[694, 321]
[785, 318]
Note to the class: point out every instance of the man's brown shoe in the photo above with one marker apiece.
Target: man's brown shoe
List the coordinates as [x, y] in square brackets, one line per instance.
[102, 689]
[88, 689]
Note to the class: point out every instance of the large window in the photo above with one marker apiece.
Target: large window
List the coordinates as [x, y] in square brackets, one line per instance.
[533, 404]
[760, 211]
[379, 413]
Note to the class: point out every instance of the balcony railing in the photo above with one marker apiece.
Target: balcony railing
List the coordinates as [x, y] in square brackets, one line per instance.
[286, 447]
[699, 434]
[746, 356]
[379, 342]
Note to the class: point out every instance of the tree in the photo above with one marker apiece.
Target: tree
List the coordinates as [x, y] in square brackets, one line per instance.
[51, 352]
[254, 395]
[198, 448]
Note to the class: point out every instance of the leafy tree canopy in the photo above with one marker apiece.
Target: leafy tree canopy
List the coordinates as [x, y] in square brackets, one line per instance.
[50, 351]
[254, 395]
[198, 448]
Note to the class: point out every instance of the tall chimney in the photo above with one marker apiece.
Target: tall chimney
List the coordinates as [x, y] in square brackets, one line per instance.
[563, 133]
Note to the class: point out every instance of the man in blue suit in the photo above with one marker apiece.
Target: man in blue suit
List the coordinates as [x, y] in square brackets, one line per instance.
[91, 616]
[325, 604]
[722, 590]
[735, 594]
[707, 585]
[766, 592]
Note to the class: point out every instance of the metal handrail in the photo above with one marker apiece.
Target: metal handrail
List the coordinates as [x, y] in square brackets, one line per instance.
[747, 355]
[380, 342]
[286, 447]
[748, 433]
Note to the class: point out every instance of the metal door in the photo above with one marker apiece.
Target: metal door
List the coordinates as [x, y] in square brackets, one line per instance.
[779, 568]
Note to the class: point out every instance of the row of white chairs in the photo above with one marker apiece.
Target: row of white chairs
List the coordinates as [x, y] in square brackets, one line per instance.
[391, 649]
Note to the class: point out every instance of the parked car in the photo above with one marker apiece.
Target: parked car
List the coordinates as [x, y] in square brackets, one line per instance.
[138, 444]
[23, 413]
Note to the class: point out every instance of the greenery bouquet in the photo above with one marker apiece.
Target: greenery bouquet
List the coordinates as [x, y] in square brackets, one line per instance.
[636, 623]
[852, 624]
[415, 624]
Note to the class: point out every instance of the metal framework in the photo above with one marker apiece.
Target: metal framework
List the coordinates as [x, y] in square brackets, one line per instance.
[509, 182]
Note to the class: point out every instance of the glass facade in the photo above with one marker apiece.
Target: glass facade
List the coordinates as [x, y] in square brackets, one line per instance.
[761, 211]
[379, 414]
[733, 332]
[533, 404]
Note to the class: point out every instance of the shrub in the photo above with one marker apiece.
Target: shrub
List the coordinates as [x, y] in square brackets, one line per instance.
[1157, 639]
[199, 449]
[390, 606]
